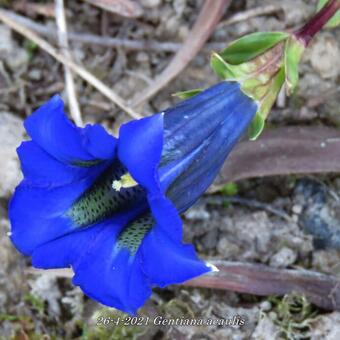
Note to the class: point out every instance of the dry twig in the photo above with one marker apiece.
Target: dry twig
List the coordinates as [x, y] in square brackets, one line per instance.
[257, 279]
[69, 81]
[93, 39]
[283, 151]
[90, 78]
[220, 200]
[206, 22]
[33, 9]
[251, 13]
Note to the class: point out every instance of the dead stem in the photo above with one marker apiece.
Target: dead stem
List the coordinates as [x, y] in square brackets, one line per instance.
[210, 14]
[63, 44]
[90, 78]
[258, 279]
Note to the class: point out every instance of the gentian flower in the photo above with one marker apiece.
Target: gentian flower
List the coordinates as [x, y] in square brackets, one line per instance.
[109, 207]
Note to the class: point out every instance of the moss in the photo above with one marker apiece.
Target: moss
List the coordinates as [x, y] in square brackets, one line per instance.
[293, 315]
[229, 189]
[112, 331]
[35, 302]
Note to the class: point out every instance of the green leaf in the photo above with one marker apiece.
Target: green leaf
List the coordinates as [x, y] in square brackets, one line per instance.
[187, 94]
[256, 126]
[221, 68]
[292, 56]
[251, 45]
[335, 20]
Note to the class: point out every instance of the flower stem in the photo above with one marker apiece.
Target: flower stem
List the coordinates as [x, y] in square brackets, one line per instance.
[315, 24]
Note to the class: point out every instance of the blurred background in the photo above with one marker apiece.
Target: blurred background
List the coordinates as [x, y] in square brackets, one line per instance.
[274, 208]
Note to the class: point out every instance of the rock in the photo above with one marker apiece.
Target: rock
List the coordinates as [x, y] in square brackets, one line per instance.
[324, 56]
[46, 288]
[10, 271]
[197, 212]
[296, 11]
[6, 42]
[283, 258]
[265, 306]
[266, 329]
[14, 56]
[255, 230]
[227, 249]
[321, 213]
[209, 241]
[150, 3]
[327, 261]
[326, 327]
[11, 134]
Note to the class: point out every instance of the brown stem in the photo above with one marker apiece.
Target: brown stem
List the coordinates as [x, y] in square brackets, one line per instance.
[317, 22]
[258, 279]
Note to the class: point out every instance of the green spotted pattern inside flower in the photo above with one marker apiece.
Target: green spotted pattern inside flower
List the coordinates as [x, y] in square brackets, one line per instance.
[132, 235]
[101, 201]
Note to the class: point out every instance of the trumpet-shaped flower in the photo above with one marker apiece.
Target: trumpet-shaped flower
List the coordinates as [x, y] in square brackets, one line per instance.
[109, 207]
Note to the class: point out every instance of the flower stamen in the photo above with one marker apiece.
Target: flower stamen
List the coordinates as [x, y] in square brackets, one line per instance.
[125, 181]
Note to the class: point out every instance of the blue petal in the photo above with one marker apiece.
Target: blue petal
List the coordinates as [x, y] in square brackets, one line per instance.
[52, 131]
[167, 262]
[69, 249]
[41, 169]
[185, 128]
[110, 277]
[98, 142]
[167, 217]
[195, 176]
[37, 213]
[139, 149]
[66, 250]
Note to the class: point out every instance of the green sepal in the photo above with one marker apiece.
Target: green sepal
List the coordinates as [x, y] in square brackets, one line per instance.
[187, 94]
[292, 56]
[335, 20]
[221, 68]
[256, 126]
[265, 102]
[251, 46]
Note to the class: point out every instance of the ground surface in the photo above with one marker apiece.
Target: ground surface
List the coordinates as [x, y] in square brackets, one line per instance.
[32, 306]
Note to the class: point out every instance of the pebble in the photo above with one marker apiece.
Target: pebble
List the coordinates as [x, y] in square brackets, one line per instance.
[283, 258]
[11, 135]
[324, 56]
[151, 3]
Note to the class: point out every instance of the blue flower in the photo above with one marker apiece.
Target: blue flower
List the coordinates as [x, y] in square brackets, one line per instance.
[109, 207]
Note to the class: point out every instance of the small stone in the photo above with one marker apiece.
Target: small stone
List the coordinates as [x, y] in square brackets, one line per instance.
[6, 42]
[296, 11]
[197, 212]
[46, 288]
[283, 258]
[151, 3]
[227, 249]
[297, 209]
[35, 74]
[325, 327]
[266, 329]
[13, 55]
[327, 261]
[324, 56]
[265, 306]
[210, 240]
[142, 57]
[11, 135]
